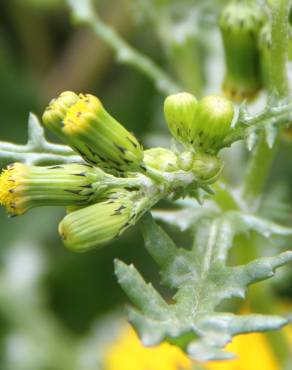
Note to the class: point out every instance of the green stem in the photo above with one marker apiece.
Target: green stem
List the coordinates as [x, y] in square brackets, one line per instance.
[258, 172]
[263, 157]
[279, 48]
[276, 115]
[37, 150]
[261, 297]
[83, 12]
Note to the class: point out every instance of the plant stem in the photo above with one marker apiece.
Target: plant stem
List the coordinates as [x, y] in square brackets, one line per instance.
[125, 53]
[277, 115]
[262, 158]
[279, 48]
[258, 171]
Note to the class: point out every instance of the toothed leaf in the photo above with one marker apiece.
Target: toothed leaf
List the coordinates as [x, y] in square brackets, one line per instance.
[202, 280]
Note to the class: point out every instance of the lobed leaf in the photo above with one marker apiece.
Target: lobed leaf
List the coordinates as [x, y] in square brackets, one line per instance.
[202, 280]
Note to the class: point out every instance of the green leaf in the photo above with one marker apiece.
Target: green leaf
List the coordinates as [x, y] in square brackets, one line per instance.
[251, 140]
[271, 134]
[184, 219]
[202, 280]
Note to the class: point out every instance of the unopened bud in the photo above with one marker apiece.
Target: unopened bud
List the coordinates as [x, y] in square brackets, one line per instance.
[23, 187]
[179, 112]
[109, 143]
[207, 168]
[56, 111]
[213, 122]
[240, 24]
[160, 159]
[82, 122]
[97, 224]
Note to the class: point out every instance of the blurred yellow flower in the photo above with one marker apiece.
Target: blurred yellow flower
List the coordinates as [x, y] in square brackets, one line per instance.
[127, 353]
[253, 352]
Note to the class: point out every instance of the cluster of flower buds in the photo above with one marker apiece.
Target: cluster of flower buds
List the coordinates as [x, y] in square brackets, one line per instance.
[199, 125]
[82, 122]
[240, 24]
[99, 208]
[114, 184]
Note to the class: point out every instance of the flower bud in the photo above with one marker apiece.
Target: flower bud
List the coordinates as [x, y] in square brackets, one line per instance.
[240, 24]
[53, 119]
[212, 123]
[160, 159]
[207, 168]
[108, 142]
[99, 223]
[179, 112]
[23, 187]
[56, 110]
[185, 160]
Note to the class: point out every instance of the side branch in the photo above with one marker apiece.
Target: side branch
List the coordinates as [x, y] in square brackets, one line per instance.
[37, 150]
[83, 12]
[275, 116]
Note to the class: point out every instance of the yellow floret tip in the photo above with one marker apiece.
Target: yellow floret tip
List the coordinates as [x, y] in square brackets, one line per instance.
[10, 180]
[62, 102]
[75, 119]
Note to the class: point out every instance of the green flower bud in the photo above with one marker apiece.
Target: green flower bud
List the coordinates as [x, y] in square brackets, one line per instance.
[206, 167]
[179, 112]
[23, 187]
[108, 142]
[185, 161]
[213, 122]
[98, 224]
[56, 111]
[240, 24]
[53, 119]
[160, 159]
[82, 122]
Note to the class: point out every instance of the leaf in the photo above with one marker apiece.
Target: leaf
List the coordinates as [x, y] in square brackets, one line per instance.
[183, 219]
[202, 280]
[275, 205]
[251, 140]
[271, 134]
[243, 113]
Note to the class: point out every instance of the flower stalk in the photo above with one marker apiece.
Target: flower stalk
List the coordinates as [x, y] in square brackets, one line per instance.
[263, 156]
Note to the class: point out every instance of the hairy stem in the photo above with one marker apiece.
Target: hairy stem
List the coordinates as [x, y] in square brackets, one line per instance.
[262, 158]
[277, 115]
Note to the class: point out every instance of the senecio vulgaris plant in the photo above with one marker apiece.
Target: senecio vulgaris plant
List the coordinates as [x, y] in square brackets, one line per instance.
[108, 182]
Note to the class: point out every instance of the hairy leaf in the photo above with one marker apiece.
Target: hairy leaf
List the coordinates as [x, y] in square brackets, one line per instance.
[202, 280]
